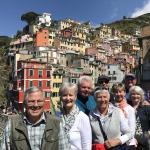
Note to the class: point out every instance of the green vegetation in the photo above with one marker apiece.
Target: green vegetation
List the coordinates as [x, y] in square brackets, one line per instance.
[128, 25]
[29, 17]
[4, 68]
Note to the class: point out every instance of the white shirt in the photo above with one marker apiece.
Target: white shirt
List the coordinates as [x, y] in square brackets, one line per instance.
[80, 134]
[131, 123]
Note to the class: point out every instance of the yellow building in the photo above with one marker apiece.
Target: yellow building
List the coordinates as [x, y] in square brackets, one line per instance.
[62, 24]
[57, 79]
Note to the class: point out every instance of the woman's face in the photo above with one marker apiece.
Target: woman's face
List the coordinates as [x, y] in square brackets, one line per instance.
[119, 95]
[102, 100]
[68, 98]
[135, 98]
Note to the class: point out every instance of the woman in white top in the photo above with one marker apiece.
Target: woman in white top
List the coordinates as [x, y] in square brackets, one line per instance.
[76, 123]
[120, 101]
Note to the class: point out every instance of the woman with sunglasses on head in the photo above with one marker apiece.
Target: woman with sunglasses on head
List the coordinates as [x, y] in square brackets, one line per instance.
[76, 123]
[118, 91]
[142, 133]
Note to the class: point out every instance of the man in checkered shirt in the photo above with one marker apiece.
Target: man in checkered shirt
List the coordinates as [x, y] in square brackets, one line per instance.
[34, 129]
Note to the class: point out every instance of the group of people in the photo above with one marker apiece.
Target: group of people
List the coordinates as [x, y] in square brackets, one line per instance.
[115, 119]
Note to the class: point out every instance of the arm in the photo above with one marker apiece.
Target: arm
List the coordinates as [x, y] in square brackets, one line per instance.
[5, 141]
[127, 134]
[132, 121]
[86, 134]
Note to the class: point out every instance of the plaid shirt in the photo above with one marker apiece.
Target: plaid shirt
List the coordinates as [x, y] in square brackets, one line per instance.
[35, 134]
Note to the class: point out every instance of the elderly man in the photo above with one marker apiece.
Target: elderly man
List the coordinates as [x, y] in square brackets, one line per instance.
[103, 82]
[34, 129]
[131, 80]
[85, 101]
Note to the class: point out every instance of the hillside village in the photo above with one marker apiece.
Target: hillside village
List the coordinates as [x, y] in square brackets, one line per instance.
[51, 52]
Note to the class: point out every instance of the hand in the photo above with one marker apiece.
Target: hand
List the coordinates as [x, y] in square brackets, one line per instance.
[112, 143]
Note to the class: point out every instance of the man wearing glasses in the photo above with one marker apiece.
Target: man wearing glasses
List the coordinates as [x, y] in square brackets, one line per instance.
[34, 129]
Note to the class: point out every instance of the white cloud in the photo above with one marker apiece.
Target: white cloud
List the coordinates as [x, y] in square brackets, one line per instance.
[143, 10]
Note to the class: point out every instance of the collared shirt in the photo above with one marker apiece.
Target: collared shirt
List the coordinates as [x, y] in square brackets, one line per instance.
[35, 134]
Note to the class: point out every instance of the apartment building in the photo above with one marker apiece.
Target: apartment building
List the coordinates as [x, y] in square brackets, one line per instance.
[29, 74]
[66, 23]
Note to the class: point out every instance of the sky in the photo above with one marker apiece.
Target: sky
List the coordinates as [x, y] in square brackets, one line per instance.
[95, 11]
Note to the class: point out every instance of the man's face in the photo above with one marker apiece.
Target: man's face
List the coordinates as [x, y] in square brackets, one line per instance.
[35, 106]
[102, 100]
[104, 84]
[85, 88]
[129, 82]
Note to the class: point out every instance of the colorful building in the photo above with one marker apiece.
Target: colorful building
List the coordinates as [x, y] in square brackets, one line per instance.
[29, 74]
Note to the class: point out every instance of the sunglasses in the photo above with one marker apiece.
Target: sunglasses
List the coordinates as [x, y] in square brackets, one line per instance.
[104, 81]
[130, 78]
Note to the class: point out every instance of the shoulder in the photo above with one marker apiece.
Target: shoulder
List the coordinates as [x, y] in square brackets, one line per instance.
[82, 115]
[130, 108]
[113, 108]
[52, 118]
[144, 108]
[91, 98]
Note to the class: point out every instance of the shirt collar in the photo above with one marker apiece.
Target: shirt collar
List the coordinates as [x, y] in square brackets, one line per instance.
[40, 121]
[110, 110]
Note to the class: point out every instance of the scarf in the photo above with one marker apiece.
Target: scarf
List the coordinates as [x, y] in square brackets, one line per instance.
[122, 105]
[69, 119]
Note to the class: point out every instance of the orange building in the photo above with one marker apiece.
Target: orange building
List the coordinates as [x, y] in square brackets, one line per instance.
[42, 38]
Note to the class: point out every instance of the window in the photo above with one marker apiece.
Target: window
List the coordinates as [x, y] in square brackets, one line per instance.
[59, 76]
[39, 83]
[54, 76]
[40, 73]
[19, 84]
[114, 72]
[30, 83]
[73, 80]
[30, 72]
[109, 72]
[48, 83]
[48, 73]
[47, 94]
[114, 78]
[55, 94]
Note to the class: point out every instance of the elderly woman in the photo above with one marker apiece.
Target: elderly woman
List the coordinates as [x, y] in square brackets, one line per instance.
[76, 123]
[120, 101]
[142, 133]
[109, 126]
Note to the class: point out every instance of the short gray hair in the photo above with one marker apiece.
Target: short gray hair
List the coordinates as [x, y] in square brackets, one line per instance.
[66, 86]
[85, 78]
[102, 91]
[138, 90]
[29, 91]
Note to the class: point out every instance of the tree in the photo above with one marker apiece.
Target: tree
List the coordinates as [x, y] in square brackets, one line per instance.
[29, 17]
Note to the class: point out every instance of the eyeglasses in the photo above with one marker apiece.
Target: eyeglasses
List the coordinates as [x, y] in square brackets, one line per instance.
[32, 102]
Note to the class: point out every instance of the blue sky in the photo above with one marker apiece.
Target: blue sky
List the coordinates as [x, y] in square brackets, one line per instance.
[95, 11]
